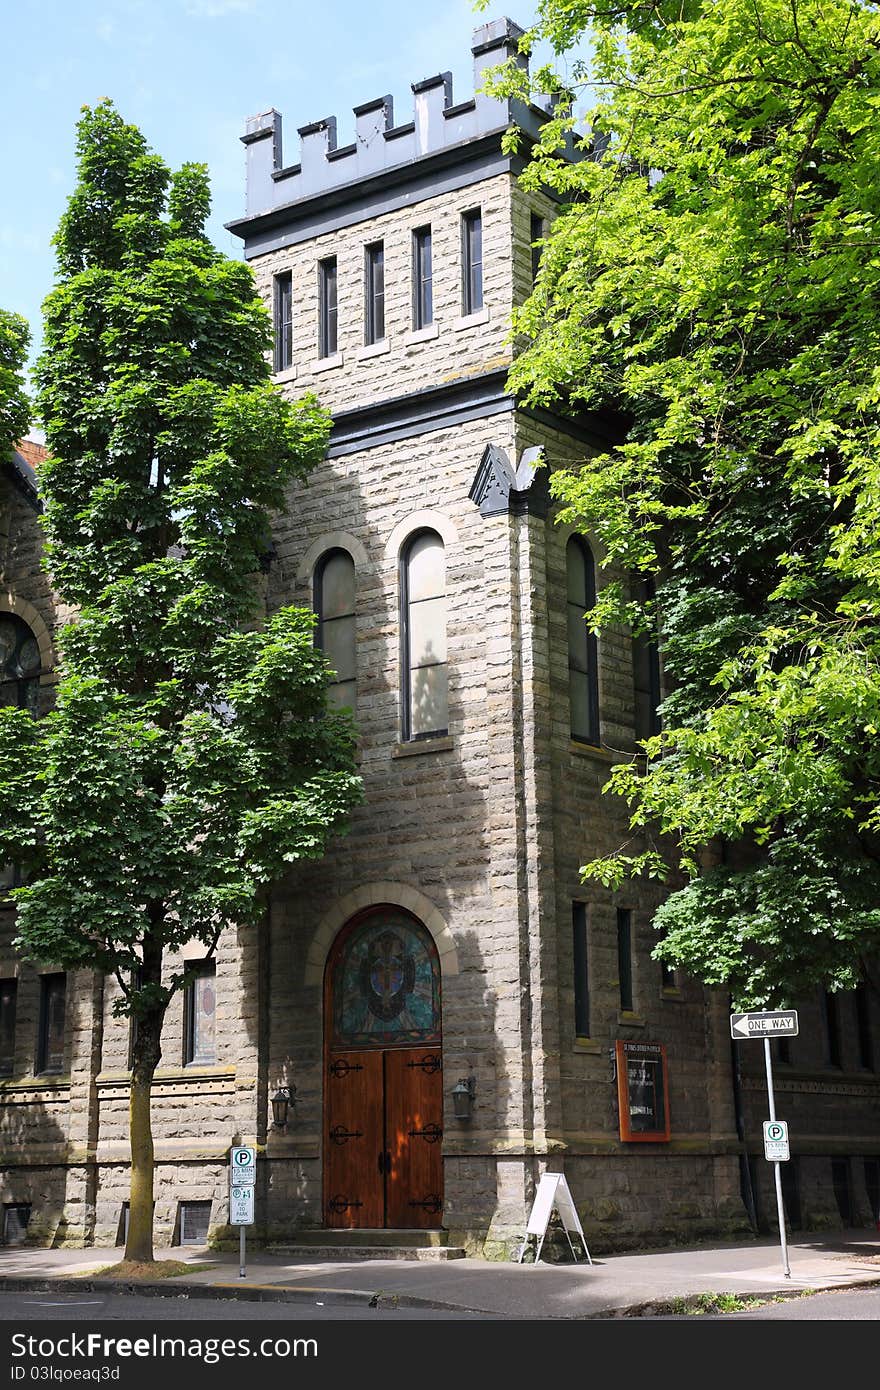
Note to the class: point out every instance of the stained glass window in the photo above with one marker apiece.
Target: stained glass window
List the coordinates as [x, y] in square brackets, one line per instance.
[200, 1008]
[19, 664]
[335, 598]
[386, 985]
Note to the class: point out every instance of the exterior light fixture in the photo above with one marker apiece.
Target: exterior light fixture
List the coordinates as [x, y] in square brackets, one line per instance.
[284, 1097]
[463, 1094]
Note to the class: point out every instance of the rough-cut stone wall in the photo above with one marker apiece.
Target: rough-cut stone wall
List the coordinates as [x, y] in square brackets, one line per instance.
[453, 347]
[479, 833]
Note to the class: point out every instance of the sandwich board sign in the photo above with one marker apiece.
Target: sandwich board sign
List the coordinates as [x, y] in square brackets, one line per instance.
[553, 1194]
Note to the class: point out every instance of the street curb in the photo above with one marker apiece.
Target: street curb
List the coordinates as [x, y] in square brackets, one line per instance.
[672, 1307]
[247, 1293]
[379, 1298]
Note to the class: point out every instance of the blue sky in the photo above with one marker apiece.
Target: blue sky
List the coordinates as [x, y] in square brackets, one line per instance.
[188, 73]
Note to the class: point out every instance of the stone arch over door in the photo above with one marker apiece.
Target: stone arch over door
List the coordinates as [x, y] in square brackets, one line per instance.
[383, 1074]
[369, 895]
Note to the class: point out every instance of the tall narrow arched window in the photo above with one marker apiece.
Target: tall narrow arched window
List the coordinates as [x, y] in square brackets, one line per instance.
[423, 637]
[646, 670]
[334, 591]
[583, 655]
[19, 664]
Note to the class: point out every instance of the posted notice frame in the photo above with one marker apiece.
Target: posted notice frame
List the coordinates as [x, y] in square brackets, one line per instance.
[642, 1077]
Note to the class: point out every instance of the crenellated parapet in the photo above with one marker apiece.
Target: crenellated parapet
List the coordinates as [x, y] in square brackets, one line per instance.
[438, 123]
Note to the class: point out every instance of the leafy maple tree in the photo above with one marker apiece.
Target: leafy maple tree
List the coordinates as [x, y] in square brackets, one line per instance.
[190, 757]
[714, 275]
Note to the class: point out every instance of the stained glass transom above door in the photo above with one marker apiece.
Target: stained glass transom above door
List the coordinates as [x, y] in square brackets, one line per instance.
[386, 984]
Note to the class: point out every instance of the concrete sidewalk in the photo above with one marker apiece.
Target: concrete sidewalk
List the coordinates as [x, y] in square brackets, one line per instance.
[613, 1286]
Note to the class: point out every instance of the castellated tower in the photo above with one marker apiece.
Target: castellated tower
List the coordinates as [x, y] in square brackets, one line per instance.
[445, 596]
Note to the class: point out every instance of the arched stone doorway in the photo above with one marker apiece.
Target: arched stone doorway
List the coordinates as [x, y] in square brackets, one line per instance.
[383, 1089]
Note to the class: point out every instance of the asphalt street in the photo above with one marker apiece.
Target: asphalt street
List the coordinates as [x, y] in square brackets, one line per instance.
[34, 1307]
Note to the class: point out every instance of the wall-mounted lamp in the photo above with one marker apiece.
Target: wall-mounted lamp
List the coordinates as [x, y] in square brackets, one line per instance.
[284, 1097]
[463, 1094]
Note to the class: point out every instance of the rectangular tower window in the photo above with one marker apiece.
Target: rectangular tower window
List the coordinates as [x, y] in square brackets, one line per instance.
[374, 271]
[327, 307]
[423, 282]
[863, 1028]
[50, 1038]
[581, 971]
[537, 232]
[283, 321]
[8, 995]
[199, 1013]
[624, 958]
[472, 261]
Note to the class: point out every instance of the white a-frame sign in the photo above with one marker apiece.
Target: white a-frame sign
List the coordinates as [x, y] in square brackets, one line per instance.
[553, 1193]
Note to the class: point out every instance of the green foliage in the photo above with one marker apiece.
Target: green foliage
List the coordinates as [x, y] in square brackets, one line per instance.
[14, 406]
[714, 277]
[187, 762]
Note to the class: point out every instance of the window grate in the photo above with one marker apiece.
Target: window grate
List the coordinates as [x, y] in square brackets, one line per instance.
[16, 1219]
[195, 1218]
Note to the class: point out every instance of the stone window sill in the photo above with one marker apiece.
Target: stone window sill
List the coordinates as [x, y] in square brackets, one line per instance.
[587, 1045]
[671, 992]
[328, 364]
[363, 354]
[43, 1082]
[471, 320]
[289, 374]
[593, 750]
[628, 1020]
[422, 335]
[423, 745]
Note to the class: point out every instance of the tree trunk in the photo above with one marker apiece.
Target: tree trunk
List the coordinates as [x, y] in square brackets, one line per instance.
[147, 1051]
[139, 1245]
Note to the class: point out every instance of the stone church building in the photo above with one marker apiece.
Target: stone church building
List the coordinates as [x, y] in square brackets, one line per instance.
[440, 1006]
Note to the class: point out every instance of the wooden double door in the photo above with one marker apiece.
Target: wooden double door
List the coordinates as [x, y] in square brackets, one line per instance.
[383, 1131]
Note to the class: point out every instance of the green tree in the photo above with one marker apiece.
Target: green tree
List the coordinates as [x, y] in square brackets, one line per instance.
[14, 406]
[190, 758]
[714, 276]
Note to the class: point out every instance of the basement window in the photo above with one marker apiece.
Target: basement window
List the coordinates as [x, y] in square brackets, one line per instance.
[16, 1218]
[194, 1219]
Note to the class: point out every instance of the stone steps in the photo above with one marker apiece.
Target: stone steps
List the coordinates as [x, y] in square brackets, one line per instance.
[369, 1244]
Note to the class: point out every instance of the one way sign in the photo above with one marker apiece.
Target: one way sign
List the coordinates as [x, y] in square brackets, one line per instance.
[779, 1024]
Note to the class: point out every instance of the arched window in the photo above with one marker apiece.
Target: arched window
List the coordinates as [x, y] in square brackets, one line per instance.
[583, 656]
[646, 670]
[334, 591]
[423, 628]
[19, 664]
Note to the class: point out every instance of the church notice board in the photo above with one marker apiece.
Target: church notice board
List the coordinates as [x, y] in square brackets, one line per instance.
[642, 1092]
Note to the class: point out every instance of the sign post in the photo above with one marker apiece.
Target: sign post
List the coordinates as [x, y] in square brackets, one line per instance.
[778, 1024]
[242, 1177]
